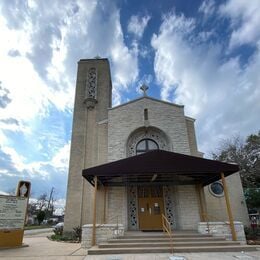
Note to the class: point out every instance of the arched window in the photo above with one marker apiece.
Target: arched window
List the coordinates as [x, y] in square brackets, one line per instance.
[146, 145]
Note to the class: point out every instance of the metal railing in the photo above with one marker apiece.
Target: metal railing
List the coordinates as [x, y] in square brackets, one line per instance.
[167, 230]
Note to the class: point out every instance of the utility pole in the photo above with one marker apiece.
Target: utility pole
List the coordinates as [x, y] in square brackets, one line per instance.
[49, 201]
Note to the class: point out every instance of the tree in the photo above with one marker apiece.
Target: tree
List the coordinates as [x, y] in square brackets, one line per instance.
[252, 196]
[32, 208]
[246, 154]
[40, 216]
[44, 203]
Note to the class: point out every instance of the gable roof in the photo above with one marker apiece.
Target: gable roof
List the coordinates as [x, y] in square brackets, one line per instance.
[160, 167]
[149, 98]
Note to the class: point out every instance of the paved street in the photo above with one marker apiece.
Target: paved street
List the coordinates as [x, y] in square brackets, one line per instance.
[38, 231]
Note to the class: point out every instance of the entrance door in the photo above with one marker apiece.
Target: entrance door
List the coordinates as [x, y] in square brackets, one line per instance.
[150, 203]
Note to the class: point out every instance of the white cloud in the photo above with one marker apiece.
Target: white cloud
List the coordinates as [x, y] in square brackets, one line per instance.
[4, 193]
[28, 93]
[137, 25]
[42, 174]
[39, 49]
[207, 7]
[61, 158]
[170, 58]
[45, 71]
[245, 20]
[59, 206]
[222, 96]
[124, 74]
[18, 160]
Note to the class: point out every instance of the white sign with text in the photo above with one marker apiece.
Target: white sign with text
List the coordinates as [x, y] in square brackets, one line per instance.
[12, 212]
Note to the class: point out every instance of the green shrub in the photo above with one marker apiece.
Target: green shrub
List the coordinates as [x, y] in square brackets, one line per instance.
[73, 236]
[77, 232]
[252, 234]
[58, 230]
[57, 237]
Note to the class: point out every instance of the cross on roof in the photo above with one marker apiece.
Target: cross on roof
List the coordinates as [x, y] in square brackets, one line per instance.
[144, 88]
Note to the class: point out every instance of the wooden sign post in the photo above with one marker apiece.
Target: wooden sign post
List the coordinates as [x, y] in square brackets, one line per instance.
[13, 211]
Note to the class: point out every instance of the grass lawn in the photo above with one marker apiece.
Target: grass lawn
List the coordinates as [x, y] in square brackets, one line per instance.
[36, 227]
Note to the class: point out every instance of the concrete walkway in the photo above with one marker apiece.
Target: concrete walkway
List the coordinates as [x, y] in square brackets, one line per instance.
[40, 247]
[188, 256]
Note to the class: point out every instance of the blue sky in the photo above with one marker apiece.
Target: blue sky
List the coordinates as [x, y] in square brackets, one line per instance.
[203, 54]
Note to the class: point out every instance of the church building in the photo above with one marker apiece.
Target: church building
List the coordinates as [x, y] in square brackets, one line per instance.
[131, 164]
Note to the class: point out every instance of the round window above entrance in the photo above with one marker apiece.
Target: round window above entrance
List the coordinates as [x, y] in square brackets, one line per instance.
[216, 189]
[146, 145]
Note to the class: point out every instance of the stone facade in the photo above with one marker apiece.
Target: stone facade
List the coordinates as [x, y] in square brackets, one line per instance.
[104, 232]
[187, 207]
[216, 206]
[126, 119]
[117, 205]
[89, 139]
[103, 134]
[222, 229]
[192, 137]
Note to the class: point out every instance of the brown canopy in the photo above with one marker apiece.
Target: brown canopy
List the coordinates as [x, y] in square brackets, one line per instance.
[159, 167]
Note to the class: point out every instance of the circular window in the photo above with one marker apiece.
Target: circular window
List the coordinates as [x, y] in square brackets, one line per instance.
[216, 189]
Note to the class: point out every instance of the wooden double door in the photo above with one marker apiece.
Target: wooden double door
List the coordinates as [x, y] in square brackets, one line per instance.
[150, 207]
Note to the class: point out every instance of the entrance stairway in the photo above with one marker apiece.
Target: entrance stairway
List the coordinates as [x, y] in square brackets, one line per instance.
[155, 242]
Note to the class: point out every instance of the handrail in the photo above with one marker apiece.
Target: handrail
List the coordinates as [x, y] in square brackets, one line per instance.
[167, 229]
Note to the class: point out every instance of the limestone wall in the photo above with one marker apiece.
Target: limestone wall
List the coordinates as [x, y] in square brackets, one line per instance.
[117, 205]
[222, 229]
[216, 206]
[192, 136]
[125, 119]
[187, 207]
[88, 142]
[104, 232]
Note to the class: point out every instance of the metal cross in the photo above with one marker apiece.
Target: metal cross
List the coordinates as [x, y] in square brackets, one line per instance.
[144, 88]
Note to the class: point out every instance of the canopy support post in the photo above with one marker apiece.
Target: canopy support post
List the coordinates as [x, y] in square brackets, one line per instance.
[229, 211]
[105, 204]
[202, 208]
[94, 213]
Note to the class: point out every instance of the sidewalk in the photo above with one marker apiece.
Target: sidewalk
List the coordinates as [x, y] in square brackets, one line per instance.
[189, 256]
[40, 247]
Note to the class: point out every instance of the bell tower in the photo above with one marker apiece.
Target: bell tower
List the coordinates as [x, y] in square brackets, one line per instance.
[89, 137]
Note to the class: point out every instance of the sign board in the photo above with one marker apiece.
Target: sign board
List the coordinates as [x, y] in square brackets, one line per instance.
[12, 212]
[12, 216]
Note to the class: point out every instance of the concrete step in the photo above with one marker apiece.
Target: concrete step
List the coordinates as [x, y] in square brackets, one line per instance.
[168, 244]
[185, 249]
[177, 235]
[164, 239]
